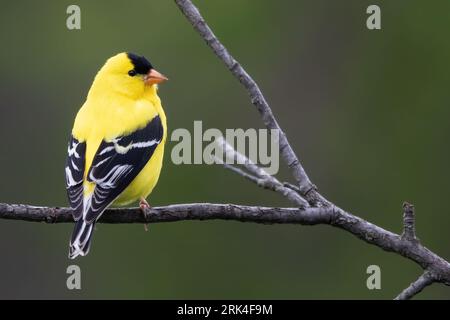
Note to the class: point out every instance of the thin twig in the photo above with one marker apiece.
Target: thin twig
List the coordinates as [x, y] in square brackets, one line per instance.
[416, 287]
[270, 185]
[240, 172]
[291, 186]
[258, 175]
[237, 157]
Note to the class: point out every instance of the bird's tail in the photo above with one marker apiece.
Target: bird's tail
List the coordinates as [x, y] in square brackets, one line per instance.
[81, 239]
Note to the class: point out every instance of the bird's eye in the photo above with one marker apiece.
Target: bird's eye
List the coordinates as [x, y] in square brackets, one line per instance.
[132, 73]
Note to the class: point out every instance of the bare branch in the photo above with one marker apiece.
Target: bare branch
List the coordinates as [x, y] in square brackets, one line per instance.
[178, 212]
[416, 287]
[330, 215]
[260, 176]
[291, 186]
[290, 194]
[231, 153]
[257, 98]
[241, 172]
[405, 245]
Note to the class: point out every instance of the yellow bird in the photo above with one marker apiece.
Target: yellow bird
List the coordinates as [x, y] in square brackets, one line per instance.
[116, 149]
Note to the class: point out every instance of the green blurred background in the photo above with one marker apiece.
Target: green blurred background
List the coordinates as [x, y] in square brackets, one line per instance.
[367, 111]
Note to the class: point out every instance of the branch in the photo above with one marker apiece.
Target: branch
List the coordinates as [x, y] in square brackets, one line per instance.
[416, 287]
[256, 96]
[258, 175]
[406, 245]
[331, 215]
[177, 212]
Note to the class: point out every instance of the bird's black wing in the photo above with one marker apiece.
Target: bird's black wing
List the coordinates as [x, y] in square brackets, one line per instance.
[117, 163]
[75, 164]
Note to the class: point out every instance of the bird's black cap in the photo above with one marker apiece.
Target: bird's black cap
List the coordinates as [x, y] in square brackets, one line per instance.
[140, 63]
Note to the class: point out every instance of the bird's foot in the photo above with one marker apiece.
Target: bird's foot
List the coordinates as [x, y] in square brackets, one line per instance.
[143, 204]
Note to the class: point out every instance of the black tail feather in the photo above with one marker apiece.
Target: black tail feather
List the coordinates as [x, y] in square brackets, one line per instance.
[81, 239]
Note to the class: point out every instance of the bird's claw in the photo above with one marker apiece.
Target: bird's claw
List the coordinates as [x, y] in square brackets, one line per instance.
[143, 204]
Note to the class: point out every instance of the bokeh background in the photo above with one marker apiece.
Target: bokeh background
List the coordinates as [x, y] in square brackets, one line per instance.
[367, 112]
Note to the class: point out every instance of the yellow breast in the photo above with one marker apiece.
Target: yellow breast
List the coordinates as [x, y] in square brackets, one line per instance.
[95, 122]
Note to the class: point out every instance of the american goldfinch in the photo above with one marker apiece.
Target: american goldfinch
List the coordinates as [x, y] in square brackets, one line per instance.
[115, 152]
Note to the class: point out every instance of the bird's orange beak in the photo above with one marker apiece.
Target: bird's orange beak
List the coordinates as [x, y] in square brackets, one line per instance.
[153, 77]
